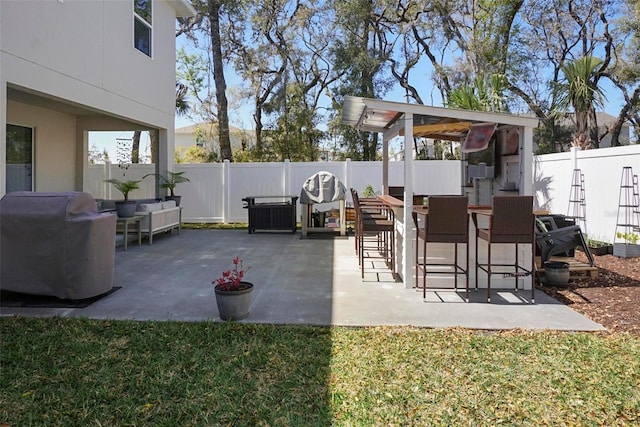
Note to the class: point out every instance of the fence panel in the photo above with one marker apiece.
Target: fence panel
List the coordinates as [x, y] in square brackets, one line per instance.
[437, 177]
[602, 170]
[203, 196]
[252, 179]
[96, 174]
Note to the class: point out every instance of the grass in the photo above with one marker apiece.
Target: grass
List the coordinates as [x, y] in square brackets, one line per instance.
[66, 372]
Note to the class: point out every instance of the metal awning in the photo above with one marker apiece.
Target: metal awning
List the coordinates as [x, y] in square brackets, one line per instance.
[375, 115]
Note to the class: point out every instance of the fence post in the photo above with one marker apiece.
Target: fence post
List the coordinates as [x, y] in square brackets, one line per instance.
[106, 187]
[574, 157]
[347, 174]
[226, 181]
[286, 178]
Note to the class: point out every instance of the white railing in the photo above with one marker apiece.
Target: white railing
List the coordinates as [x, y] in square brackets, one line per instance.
[216, 189]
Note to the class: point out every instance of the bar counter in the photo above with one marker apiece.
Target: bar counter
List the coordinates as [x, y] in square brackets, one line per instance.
[500, 253]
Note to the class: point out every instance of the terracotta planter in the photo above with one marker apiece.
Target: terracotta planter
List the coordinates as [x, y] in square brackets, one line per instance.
[234, 305]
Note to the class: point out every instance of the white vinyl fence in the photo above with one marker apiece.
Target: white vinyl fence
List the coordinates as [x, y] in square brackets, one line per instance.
[216, 189]
[602, 171]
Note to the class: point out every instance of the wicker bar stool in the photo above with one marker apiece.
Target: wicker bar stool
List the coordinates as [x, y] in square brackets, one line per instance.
[446, 220]
[376, 221]
[511, 221]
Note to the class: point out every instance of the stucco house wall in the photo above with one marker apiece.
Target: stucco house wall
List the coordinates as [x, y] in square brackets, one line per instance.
[70, 67]
[54, 153]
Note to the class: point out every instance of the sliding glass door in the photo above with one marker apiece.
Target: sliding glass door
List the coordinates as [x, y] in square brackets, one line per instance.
[19, 158]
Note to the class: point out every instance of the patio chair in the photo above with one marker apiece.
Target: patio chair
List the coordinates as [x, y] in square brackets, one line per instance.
[552, 240]
[377, 221]
[511, 220]
[445, 221]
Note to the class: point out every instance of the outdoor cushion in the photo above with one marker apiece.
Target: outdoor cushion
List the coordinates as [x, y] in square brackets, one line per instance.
[541, 228]
[169, 204]
[149, 207]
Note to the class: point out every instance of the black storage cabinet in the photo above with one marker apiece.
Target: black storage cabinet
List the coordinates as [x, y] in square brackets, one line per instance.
[271, 215]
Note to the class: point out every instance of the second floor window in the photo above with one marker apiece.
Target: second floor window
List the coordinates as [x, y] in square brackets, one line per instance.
[142, 26]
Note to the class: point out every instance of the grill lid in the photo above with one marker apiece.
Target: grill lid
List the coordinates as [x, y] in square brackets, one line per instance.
[323, 187]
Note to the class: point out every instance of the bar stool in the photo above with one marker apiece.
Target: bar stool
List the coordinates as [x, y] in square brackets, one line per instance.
[377, 220]
[446, 220]
[511, 220]
[372, 208]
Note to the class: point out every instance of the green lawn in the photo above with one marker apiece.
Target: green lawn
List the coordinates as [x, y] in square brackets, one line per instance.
[66, 372]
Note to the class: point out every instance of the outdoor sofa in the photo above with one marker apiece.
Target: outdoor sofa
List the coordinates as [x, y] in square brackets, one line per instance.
[157, 216]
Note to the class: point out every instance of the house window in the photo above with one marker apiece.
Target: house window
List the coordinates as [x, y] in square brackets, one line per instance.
[142, 28]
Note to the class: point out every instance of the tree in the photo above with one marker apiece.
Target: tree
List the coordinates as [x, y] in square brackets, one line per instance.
[551, 34]
[360, 53]
[626, 72]
[218, 76]
[579, 90]
[95, 156]
[486, 94]
[208, 21]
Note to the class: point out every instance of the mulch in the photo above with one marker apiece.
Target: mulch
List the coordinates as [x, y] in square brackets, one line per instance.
[612, 299]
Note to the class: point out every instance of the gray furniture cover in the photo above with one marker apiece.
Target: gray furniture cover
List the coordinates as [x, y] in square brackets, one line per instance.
[322, 187]
[56, 244]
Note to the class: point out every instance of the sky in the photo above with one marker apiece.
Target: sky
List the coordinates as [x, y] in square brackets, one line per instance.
[111, 141]
[241, 117]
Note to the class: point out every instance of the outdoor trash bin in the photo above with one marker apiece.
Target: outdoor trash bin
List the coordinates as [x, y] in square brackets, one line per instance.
[56, 244]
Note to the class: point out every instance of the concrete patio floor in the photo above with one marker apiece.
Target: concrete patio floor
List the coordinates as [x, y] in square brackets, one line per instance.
[312, 281]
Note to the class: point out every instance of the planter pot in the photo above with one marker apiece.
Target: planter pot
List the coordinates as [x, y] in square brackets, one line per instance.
[174, 198]
[126, 209]
[234, 305]
[624, 250]
[600, 249]
[556, 273]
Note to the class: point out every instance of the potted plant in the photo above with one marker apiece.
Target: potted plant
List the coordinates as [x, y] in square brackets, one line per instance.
[233, 295]
[170, 181]
[598, 247]
[369, 191]
[630, 248]
[125, 208]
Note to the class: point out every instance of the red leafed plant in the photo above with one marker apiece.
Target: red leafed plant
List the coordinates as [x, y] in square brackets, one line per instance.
[231, 280]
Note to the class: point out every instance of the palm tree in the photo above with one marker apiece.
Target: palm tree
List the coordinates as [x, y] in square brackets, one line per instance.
[485, 94]
[182, 105]
[580, 90]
